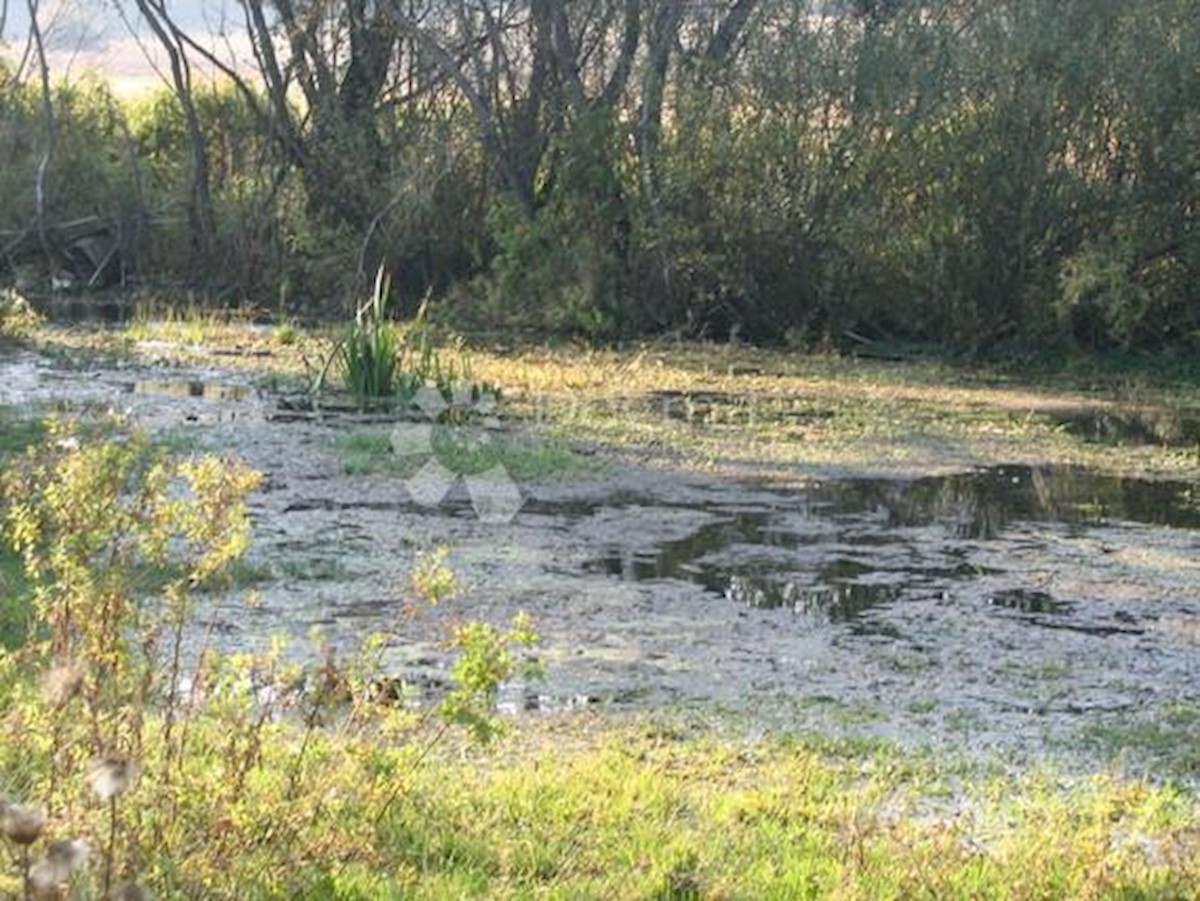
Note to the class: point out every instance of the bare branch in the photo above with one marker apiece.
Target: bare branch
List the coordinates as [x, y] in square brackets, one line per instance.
[631, 38]
[728, 32]
[49, 123]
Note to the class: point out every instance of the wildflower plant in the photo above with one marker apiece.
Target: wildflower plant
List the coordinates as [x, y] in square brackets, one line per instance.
[432, 578]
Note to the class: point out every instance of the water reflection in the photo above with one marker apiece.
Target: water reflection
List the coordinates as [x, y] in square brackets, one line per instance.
[743, 557]
[186, 389]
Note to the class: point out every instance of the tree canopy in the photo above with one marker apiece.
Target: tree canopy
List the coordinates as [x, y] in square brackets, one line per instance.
[976, 173]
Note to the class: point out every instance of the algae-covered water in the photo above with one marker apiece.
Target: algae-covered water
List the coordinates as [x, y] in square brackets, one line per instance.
[1021, 611]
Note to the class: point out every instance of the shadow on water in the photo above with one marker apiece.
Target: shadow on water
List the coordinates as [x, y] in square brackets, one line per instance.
[1028, 601]
[1133, 426]
[981, 504]
[739, 557]
[94, 310]
[190, 389]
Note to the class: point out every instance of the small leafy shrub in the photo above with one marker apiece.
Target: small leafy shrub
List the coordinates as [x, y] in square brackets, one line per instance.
[287, 333]
[432, 578]
[17, 317]
[130, 740]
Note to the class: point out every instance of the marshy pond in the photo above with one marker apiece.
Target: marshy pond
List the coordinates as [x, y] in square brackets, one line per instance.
[1017, 611]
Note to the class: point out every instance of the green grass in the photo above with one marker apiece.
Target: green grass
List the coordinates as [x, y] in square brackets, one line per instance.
[573, 809]
[633, 816]
[17, 432]
[463, 451]
[736, 407]
[1168, 743]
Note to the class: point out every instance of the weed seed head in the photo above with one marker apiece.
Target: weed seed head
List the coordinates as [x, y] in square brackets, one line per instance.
[62, 859]
[62, 684]
[23, 825]
[111, 776]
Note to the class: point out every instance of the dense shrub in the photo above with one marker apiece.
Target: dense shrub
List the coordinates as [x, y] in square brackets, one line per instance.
[977, 174]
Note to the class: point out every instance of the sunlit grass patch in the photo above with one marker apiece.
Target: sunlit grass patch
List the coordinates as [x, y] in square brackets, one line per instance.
[189, 323]
[732, 406]
[463, 450]
[1166, 744]
[634, 816]
[779, 410]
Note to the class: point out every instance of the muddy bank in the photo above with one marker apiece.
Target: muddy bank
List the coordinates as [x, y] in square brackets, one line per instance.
[1007, 610]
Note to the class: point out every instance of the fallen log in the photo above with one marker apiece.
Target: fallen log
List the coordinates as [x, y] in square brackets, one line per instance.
[86, 249]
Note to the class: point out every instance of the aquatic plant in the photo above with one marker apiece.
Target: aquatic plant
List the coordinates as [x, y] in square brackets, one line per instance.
[367, 352]
[382, 362]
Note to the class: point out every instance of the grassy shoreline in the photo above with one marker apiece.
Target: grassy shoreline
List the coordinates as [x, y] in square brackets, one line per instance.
[730, 408]
[632, 810]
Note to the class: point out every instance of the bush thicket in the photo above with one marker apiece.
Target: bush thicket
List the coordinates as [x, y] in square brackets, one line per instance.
[977, 174]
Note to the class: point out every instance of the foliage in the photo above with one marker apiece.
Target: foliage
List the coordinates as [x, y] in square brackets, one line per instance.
[981, 176]
[382, 363]
[486, 659]
[367, 352]
[17, 317]
[80, 180]
[561, 270]
[209, 774]
[17, 433]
